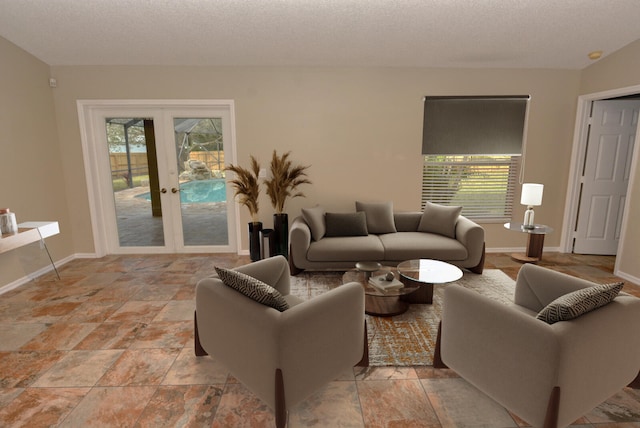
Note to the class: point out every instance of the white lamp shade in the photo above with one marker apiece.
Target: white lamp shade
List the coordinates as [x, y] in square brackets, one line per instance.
[531, 194]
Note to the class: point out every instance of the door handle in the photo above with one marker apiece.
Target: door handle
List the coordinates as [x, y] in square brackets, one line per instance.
[174, 190]
[163, 190]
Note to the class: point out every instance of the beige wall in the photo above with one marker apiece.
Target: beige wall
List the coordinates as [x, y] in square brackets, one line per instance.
[30, 168]
[359, 129]
[621, 70]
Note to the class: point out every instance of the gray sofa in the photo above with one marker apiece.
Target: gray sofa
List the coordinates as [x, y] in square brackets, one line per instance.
[321, 240]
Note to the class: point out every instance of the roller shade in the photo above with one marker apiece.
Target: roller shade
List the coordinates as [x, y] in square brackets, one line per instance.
[472, 125]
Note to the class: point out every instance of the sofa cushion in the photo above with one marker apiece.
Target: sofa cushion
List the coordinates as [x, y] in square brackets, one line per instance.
[345, 249]
[407, 221]
[252, 288]
[572, 305]
[420, 245]
[439, 219]
[346, 224]
[314, 217]
[379, 216]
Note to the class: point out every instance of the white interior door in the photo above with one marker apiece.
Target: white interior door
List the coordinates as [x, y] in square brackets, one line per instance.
[156, 176]
[605, 177]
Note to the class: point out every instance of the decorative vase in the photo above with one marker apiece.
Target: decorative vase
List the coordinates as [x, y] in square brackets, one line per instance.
[254, 240]
[281, 234]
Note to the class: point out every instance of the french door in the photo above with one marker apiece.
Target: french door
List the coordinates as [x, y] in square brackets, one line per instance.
[156, 175]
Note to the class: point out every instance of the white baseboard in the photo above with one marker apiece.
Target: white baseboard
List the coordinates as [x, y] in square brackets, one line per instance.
[626, 277]
[520, 250]
[33, 275]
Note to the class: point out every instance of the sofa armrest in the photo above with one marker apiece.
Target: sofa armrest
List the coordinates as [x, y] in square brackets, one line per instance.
[537, 286]
[499, 348]
[299, 239]
[471, 235]
[273, 271]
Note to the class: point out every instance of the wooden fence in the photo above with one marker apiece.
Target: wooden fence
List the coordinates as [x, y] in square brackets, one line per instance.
[139, 165]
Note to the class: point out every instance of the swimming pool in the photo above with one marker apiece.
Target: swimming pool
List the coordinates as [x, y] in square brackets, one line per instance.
[199, 191]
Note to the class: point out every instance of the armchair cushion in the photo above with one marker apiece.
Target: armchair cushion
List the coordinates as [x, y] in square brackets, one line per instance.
[379, 216]
[439, 219]
[346, 224]
[253, 288]
[572, 305]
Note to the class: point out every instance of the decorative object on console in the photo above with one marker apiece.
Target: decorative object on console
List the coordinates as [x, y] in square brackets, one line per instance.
[283, 184]
[247, 190]
[531, 197]
[8, 223]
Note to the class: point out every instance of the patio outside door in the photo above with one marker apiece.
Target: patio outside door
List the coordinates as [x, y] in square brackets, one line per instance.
[163, 169]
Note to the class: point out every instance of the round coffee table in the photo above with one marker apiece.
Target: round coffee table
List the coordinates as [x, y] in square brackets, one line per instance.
[377, 302]
[423, 273]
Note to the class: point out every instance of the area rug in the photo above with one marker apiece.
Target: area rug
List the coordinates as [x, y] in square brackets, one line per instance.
[408, 339]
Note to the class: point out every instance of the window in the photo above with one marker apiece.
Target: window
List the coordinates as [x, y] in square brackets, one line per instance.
[483, 185]
[472, 150]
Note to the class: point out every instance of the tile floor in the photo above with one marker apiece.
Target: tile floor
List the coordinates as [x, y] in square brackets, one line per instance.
[110, 344]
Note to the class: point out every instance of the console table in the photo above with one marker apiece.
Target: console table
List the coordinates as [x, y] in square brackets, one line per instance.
[535, 241]
[29, 233]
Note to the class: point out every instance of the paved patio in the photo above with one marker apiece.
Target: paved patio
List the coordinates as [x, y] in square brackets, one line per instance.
[204, 223]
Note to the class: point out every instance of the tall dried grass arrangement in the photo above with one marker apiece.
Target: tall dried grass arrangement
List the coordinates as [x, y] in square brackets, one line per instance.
[284, 181]
[247, 186]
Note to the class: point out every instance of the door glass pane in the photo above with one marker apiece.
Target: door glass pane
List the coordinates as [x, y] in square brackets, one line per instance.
[134, 174]
[203, 196]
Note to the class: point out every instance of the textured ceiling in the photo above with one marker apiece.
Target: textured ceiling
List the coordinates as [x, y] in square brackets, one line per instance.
[396, 33]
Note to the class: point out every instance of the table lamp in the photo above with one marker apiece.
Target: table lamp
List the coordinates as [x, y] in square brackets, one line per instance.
[531, 197]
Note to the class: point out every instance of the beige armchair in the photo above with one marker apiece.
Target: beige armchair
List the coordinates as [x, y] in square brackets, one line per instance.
[281, 356]
[547, 374]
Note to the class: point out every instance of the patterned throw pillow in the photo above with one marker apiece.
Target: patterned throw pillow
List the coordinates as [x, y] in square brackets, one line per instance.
[253, 288]
[579, 302]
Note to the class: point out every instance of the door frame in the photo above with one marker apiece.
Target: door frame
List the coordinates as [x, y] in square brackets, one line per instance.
[93, 162]
[578, 154]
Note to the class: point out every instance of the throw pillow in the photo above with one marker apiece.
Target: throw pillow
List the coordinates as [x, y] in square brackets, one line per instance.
[253, 288]
[315, 219]
[439, 219]
[346, 224]
[579, 302]
[379, 216]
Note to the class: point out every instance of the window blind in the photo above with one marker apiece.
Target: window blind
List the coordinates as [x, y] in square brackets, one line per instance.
[471, 125]
[483, 185]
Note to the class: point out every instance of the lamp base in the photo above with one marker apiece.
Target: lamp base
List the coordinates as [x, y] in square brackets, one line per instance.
[528, 219]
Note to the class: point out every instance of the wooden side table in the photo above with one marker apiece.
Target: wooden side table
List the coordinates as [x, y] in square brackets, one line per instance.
[535, 241]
